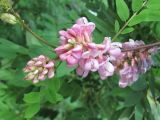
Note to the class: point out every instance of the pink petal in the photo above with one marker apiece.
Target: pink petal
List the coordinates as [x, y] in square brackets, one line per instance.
[50, 73]
[41, 77]
[110, 67]
[107, 43]
[85, 73]
[71, 60]
[82, 20]
[61, 49]
[64, 56]
[90, 27]
[35, 80]
[86, 54]
[115, 52]
[38, 63]
[64, 34]
[31, 62]
[94, 65]
[123, 83]
[88, 65]
[72, 32]
[41, 58]
[45, 71]
[77, 48]
[77, 55]
[87, 37]
[92, 45]
[50, 64]
[79, 71]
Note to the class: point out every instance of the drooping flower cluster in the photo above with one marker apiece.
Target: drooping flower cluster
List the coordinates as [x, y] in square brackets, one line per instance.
[77, 49]
[134, 63]
[39, 68]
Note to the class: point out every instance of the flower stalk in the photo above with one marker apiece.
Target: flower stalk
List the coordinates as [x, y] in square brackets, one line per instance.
[26, 27]
[125, 25]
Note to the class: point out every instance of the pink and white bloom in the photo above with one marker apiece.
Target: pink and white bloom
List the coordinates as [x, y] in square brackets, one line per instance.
[39, 68]
[74, 41]
[112, 48]
[128, 75]
[106, 68]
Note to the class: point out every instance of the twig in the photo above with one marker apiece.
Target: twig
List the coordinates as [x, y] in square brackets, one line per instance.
[30, 30]
[124, 26]
[142, 47]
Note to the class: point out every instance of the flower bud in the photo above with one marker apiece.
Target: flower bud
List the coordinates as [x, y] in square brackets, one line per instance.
[9, 18]
[39, 68]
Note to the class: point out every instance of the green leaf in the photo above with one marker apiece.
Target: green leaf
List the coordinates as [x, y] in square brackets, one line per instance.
[9, 49]
[32, 97]
[116, 26]
[139, 84]
[31, 110]
[52, 96]
[3, 86]
[145, 16]
[63, 70]
[35, 50]
[130, 99]
[153, 4]
[125, 114]
[51, 89]
[31, 40]
[136, 4]
[138, 112]
[155, 106]
[105, 2]
[127, 30]
[6, 74]
[122, 10]
[55, 83]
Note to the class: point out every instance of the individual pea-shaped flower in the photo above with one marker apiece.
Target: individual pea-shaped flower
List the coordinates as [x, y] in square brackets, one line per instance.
[106, 68]
[39, 68]
[129, 74]
[144, 62]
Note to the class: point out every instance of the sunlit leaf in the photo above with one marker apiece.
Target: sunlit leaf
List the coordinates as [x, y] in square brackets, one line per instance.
[136, 4]
[146, 16]
[32, 97]
[116, 25]
[127, 30]
[31, 110]
[122, 10]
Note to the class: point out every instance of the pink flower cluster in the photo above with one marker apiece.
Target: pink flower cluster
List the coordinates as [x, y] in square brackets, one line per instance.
[134, 63]
[78, 49]
[38, 68]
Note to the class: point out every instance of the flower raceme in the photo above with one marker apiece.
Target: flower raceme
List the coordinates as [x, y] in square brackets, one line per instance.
[38, 68]
[77, 49]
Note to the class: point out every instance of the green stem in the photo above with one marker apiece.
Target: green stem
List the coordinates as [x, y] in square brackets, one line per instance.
[126, 24]
[26, 27]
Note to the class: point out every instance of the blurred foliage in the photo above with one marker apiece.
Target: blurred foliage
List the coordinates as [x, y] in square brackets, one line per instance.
[67, 96]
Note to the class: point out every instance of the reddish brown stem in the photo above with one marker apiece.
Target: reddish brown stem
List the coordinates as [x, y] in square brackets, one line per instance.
[142, 47]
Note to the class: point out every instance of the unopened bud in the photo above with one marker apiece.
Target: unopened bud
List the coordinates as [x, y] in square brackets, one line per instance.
[5, 5]
[9, 18]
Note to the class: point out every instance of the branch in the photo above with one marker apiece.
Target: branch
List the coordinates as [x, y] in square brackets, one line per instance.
[142, 47]
[30, 30]
[124, 26]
